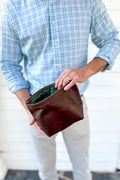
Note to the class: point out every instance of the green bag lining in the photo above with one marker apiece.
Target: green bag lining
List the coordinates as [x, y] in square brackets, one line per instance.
[44, 94]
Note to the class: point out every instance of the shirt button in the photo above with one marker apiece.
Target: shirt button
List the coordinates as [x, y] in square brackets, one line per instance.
[53, 22]
[57, 65]
[55, 44]
[51, 2]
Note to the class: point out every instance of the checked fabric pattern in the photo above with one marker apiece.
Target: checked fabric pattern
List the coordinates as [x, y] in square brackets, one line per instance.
[51, 35]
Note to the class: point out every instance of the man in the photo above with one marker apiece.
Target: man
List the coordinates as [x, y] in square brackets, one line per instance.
[52, 37]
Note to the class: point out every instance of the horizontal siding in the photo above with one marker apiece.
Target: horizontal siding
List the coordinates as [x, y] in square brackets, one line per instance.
[103, 100]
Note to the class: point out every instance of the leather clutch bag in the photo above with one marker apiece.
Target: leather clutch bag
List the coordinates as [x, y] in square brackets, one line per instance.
[55, 109]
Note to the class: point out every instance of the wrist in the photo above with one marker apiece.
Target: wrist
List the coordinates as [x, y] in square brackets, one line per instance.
[86, 72]
[95, 66]
[23, 95]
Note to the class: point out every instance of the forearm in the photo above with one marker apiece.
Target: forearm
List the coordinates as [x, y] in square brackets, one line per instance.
[71, 76]
[95, 66]
[23, 95]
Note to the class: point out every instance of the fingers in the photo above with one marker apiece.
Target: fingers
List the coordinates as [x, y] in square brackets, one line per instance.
[69, 85]
[62, 82]
[63, 79]
[67, 79]
[32, 122]
[39, 129]
[37, 126]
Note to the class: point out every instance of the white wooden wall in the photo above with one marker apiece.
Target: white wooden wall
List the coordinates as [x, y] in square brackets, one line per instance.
[103, 97]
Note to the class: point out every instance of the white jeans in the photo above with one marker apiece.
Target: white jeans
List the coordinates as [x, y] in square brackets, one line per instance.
[76, 138]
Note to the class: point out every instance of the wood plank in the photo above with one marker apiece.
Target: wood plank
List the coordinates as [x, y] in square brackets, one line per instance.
[112, 128]
[105, 79]
[11, 104]
[103, 167]
[103, 105]
[103, 157]
[104, 147]
[111, 92]
[98, 147]
[17, 146]
[22, 165]
[105, 138]
[32, 165]
[9, 136]
[108, 117]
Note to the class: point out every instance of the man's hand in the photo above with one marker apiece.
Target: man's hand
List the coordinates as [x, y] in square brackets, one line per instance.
[69, 76]
[33, 122]
[23, 95]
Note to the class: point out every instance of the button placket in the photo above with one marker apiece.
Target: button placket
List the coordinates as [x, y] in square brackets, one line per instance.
[53, 22]
[55, 36]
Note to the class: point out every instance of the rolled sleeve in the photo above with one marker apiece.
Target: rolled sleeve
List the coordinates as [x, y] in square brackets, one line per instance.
[11, 54]
[104, 34]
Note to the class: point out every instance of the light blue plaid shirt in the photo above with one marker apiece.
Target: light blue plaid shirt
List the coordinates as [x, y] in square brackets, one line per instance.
[51, 35]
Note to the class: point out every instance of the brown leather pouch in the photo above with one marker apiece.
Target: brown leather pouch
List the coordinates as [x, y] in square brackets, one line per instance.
[55, 110]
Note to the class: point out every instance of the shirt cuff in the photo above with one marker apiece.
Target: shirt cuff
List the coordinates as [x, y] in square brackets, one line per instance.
[16, 87]
[106, 58]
